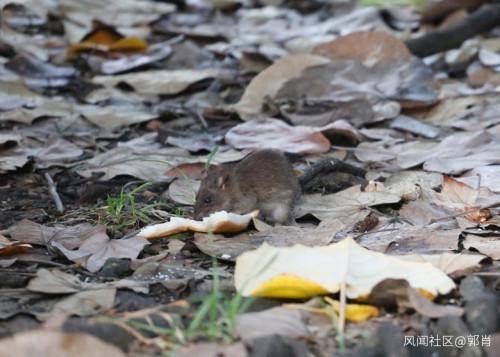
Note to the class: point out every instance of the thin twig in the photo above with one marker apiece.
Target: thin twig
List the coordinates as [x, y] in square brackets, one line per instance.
[53, 192]
[341, 326]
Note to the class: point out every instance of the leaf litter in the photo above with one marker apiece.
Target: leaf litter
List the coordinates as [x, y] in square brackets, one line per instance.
[125, 105]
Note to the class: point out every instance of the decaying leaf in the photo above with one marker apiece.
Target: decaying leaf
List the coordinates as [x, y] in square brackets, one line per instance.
[269, 82]
[8, 247]
[347, 201]
[428, 308]
[278, 320]
[489, 246]
[218, 222]
[56, 344]
[183, 191]
[158, 82]
[27, 231]
[276, 134]
[367, 47]
[97, 248]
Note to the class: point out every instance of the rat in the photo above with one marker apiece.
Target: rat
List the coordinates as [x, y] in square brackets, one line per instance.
[262, 180]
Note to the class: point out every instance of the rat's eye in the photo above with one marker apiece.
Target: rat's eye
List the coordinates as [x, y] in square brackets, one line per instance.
[208, 199]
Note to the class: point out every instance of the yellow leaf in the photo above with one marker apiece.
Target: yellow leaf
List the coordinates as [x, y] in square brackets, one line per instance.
[301, 271]
[355, 312]
[129, 44]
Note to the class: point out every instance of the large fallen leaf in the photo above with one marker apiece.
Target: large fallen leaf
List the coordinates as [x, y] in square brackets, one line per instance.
[410, 83]
[348, 201]
[27, 231]
[218, 222]
[269, 82]
[45, 343]
[485, 176]
[80, 298]
[183, 191]
[159, 82]
[428, 308]
[299, 271]
[97, 248]
[275, 321]
[472, 203]
[367, 47]
[142, 157]
[276, 134]
[489, 246]
[452, 264]
[477, 149]
[393, 237]
[126, 13]
[46, 108]
[113, 116]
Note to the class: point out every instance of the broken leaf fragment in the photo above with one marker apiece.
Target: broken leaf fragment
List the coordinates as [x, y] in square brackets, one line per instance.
[301, 272]
[218, 222]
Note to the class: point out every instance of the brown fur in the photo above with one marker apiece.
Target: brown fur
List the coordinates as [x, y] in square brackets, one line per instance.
[262, 180]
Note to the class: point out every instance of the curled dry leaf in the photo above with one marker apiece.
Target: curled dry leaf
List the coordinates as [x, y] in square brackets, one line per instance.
[348, 201]
[367, 47]
[489, 246]
[183, 191]
[450, 263]
[27, 231]
[218, 222]
[158, 82]
[8, 247]
[471, 203]
[276, 134]
[428, 308]
[299, 271]
[479, 148]
[56, 344]
[97, 248]
[277, 320]
[268, 82]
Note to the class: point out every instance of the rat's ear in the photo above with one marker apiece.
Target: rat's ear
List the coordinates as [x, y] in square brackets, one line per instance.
[222, 181]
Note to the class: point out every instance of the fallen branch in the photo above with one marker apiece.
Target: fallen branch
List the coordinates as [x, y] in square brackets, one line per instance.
[480, 21]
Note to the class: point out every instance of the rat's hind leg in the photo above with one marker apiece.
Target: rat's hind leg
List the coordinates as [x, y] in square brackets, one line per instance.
[277, 212]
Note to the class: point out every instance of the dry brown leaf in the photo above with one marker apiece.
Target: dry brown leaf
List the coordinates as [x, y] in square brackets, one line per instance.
[477, 149]
[275, 321]
[427, 308]
[142, 157]
[276, 134]
[452, 264]
[183, 191]
[27, 231]
[269, 82]
[485, 176]
[46, 343]
[348, 201]
[463, 199]
[159, 82]
[489, 246]
[410, 83]
[212, 349]
[367, 47]
[97, 248]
